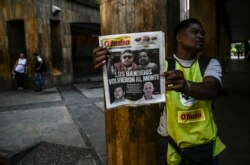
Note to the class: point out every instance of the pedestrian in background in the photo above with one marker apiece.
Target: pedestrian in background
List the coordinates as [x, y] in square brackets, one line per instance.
[39, 82]
[19, 71]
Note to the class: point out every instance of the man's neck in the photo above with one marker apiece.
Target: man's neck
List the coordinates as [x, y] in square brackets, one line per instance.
[120, 99]
[148, 97]
[185, 54]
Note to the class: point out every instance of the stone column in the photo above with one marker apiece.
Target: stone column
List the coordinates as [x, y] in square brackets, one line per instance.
[131, 133]
[5, 68]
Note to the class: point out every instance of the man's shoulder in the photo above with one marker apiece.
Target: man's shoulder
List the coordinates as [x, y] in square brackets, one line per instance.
[127, 100]
[214, 69]
[121, 101]
[142, 98]
[156, 96]
[39, 59]
[152, 65]
[118, 64]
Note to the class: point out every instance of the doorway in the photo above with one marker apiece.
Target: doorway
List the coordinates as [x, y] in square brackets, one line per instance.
[56, 48]
[84, 37]
[16, 41]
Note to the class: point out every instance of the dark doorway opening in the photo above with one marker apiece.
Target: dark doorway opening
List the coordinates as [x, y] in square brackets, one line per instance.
[84, 37]
[16, 41]
[56, 48]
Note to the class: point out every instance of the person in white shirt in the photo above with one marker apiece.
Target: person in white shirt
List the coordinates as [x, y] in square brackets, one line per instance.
[19, 71]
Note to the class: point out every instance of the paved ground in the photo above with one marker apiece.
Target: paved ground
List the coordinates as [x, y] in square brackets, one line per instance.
[233, 113]
[73, 116]
[69, 115]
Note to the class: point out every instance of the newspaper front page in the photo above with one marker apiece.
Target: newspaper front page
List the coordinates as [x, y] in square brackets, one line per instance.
[132, 72]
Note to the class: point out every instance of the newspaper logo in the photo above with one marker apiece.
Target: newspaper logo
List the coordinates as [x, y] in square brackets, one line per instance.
[191, 116]
[118, 42]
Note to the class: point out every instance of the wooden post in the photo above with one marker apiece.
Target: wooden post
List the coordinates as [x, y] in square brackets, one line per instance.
[131, 133]
[208, 19]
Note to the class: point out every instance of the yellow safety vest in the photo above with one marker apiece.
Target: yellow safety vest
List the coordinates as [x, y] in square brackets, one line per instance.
[190, 122]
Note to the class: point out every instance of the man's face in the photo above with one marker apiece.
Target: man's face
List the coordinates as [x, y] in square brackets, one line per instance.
[143, 58]
[148, 90]
[192, 37]
[21, 55]
[118, 93]
[127, 59]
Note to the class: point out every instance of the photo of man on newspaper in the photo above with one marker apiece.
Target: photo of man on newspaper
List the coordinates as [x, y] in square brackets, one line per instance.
[132, 71]
[148, 92]
[145, 61]
[119, 94]
[126, 62]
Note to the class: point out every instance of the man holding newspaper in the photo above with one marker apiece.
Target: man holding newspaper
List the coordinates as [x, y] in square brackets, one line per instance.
[190, 130]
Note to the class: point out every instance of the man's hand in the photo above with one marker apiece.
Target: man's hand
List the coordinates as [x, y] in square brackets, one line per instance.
[207, 89]
[100, 55]
[175, 81]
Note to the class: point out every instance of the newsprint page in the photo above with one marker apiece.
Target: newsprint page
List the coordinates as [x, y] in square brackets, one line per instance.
[132, 72]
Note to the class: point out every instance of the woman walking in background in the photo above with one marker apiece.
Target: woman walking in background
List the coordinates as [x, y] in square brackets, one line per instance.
[19, 70]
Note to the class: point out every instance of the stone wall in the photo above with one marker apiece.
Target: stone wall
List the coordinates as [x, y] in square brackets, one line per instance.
[15, 10]
[4, 69]
[37, 16]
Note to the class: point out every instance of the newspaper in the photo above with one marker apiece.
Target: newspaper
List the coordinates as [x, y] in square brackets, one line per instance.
[132, 72]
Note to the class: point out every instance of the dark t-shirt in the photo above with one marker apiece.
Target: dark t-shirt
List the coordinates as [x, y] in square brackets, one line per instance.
[37, 64]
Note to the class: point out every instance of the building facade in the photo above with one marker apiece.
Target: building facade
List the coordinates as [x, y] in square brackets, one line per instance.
[64, 32]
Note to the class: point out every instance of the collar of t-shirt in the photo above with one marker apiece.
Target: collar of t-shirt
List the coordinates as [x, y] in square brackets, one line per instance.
[184, 63]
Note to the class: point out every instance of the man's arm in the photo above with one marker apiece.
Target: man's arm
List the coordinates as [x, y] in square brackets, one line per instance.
[207, 89]
[14, 67]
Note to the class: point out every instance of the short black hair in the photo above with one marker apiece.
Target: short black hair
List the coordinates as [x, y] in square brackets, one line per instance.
[185, 24]
[144, 50]
[119, 86]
